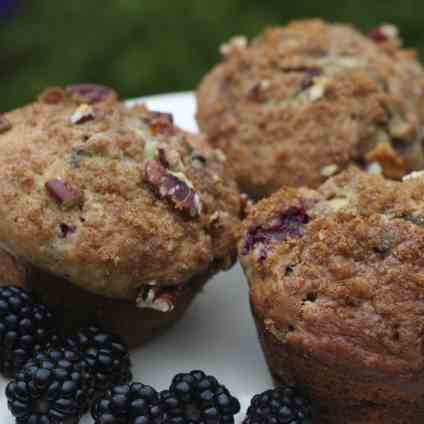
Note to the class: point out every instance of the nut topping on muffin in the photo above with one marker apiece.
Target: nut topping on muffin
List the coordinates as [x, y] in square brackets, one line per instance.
[336, 288]
[136, 195]
[300, 97]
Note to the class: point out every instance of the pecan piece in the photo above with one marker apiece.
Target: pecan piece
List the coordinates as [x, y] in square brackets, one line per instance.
[63, 194]
[257, 93]
[83, 114]
[173, 189]
[234, 45]
[154, 298]
[90, 93]
[384, 33]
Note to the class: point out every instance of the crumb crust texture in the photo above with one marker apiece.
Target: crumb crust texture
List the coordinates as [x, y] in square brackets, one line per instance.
[301, 103]
[79, 198]
[339, 304]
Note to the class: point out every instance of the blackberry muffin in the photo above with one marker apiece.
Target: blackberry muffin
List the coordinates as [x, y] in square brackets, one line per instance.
[336, 289]
[113, 199]
[300, 103]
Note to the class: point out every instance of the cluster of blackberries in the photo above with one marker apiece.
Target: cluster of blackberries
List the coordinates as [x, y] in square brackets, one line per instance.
[56, 379]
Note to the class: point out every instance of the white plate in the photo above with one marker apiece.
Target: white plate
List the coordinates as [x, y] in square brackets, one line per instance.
[217, 334]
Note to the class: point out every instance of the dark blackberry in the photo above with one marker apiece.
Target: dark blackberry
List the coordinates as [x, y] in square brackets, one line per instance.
[106, 354]
[289, 224]
[133, 403]
[25, 327]
[195, 398]
[54, 387]
[283, 405]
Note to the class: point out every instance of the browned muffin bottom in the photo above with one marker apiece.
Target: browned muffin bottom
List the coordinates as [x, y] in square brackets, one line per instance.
[75, 308]
[336, 281]
[300, 103]
[117, 200]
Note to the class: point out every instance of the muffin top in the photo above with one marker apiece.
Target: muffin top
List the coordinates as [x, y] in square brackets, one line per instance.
[339, 272]
[113, 198]
[300, 103]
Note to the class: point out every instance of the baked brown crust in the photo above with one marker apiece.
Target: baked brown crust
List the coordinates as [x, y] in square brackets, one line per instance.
[339, 299]
[300, 103]
[75, 307]
[113, 198]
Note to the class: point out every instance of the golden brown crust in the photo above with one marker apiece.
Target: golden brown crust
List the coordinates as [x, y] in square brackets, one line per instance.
[303, 102]
[342, 292]
[78, 198]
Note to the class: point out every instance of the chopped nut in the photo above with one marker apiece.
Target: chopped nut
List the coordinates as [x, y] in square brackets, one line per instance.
[90, 93]
[63, 195]
[235, 44]
[318, 89]
[173, 187]
[413, 175]
[329, 170]
[257, 93]
[374, 168]
[384, 33]
[52, 95]
[151, 298]
[83, 114]
[5, 124]
[392, 163]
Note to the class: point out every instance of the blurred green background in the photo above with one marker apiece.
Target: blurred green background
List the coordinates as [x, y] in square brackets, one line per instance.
[154, 46]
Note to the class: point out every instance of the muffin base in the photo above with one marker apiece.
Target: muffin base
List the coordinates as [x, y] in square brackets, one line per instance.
[75, 307]
[340, 396]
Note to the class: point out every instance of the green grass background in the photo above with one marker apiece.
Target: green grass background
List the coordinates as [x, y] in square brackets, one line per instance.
[153, 46]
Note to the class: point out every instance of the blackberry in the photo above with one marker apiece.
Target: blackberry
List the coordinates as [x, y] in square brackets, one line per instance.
[55, 387]
[195, 398]
[133, 403]
[25, 327]
[106, 354]
[283, 405]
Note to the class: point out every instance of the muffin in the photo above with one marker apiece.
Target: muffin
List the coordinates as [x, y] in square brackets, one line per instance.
[336, 280]
[303, 102]
[76, 308]
[113, 199]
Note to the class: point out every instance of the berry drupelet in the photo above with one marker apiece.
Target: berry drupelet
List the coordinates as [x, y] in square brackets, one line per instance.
[284, 405]
[106, 354]
[54, 387]
[25, 327]
[195, 398]
[133, 403]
